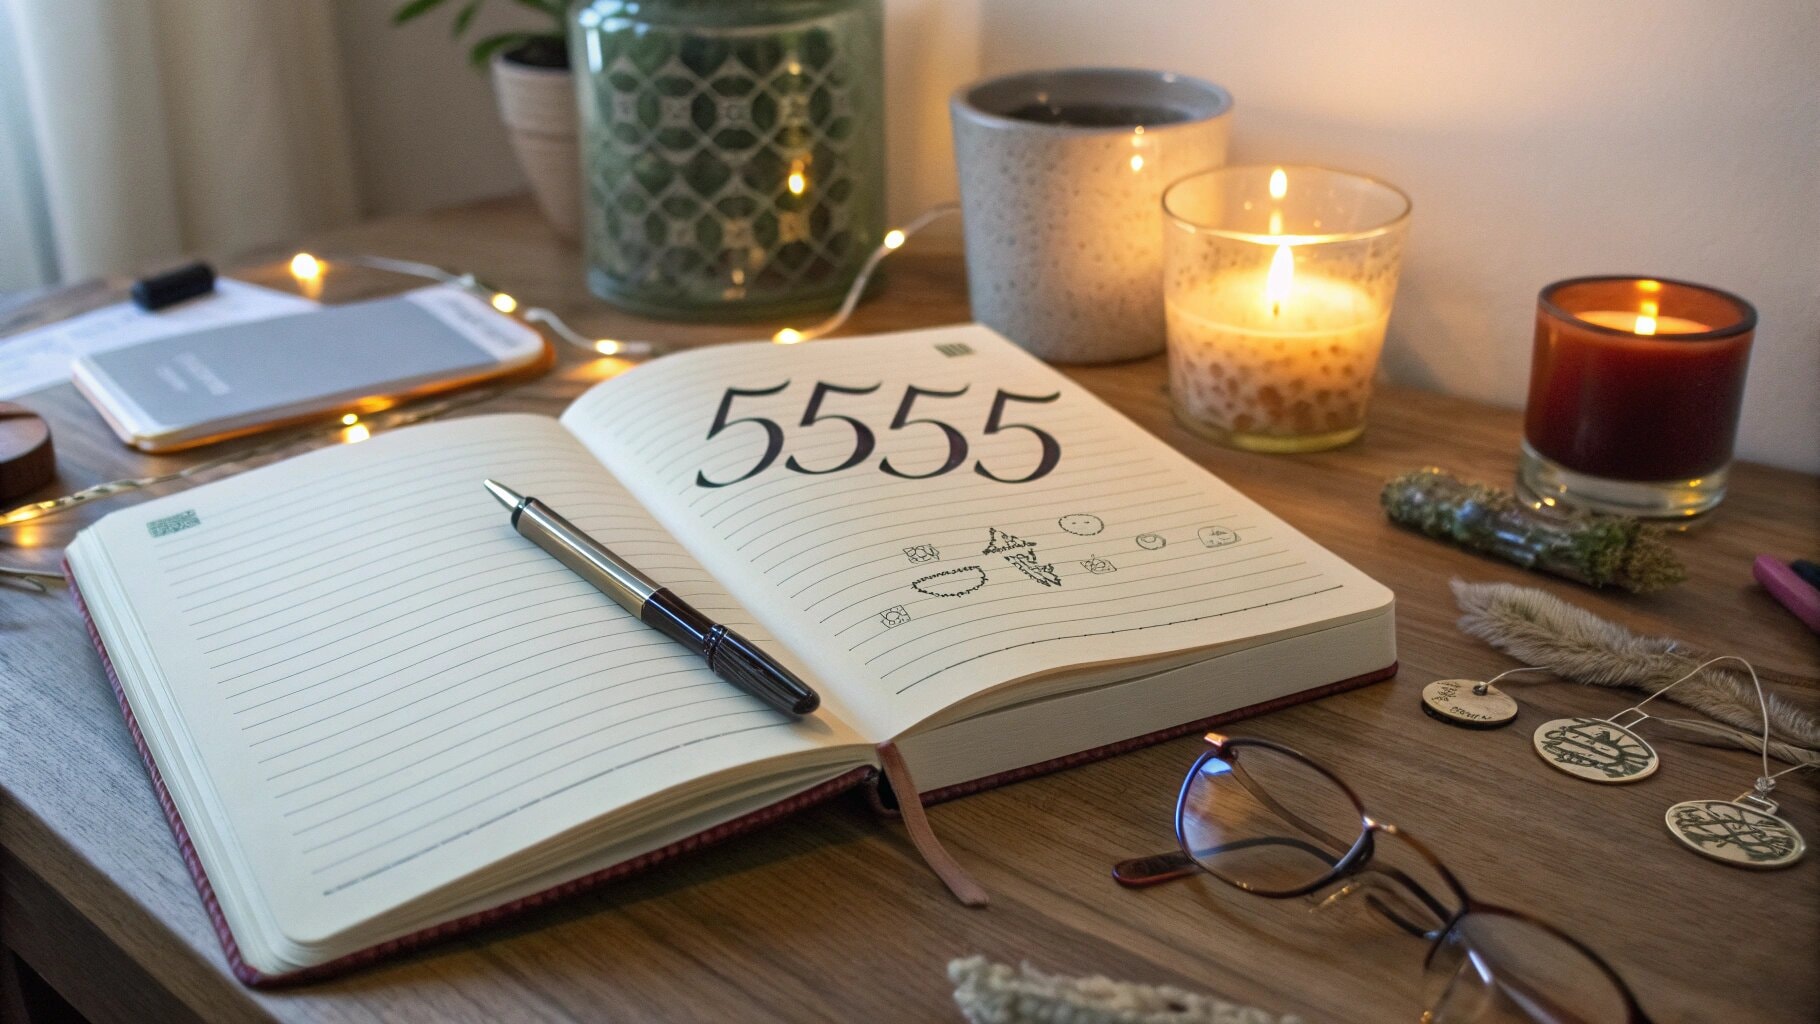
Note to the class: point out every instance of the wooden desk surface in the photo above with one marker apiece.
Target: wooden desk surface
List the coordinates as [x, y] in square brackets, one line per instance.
[830, 915]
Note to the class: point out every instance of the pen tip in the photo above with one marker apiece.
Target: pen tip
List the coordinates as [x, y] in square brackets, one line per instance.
[507, 496]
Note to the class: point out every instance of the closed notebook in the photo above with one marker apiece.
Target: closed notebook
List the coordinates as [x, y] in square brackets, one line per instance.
[378, 715]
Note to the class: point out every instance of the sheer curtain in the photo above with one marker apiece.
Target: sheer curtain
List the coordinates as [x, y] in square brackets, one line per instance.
[135, 131]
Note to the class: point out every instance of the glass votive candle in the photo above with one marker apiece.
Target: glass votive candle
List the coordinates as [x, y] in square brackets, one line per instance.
[1277, 288]
[1634, 393]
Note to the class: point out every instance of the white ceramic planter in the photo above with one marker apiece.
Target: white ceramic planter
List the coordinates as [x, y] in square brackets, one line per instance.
[538, 106]
[1064, 221]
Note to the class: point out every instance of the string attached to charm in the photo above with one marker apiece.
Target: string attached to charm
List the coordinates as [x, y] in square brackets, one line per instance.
[1745, 831]
[1606, 749]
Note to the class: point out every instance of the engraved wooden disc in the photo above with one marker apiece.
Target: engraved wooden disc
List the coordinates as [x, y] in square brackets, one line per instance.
[1733, 833]
[1456, 702]
[1596, 750]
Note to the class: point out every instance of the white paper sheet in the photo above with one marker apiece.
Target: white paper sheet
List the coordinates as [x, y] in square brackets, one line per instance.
[41, 357]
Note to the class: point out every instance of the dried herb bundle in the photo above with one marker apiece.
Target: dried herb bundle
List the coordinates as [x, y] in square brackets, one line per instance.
[1599, 550]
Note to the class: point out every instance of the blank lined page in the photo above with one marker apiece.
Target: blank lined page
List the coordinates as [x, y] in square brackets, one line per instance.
[388, 688]
[924, 516]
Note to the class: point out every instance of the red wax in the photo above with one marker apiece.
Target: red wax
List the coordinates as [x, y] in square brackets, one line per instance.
[1610, 403]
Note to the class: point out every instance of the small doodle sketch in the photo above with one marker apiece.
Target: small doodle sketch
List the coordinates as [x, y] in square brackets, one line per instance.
[1081, 524]
[1217, 536]
[1097, 565]
[920, 553]
[894, 616]
[1026, 564]
[1599, 746]
[1151, 541]
[952, 583]
[1730, 832]
[998, 542]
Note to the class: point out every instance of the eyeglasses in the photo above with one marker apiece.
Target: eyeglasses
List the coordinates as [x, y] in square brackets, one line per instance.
[1263, 818]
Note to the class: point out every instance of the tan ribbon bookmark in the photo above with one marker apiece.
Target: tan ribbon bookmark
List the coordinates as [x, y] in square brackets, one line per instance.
[916, 822]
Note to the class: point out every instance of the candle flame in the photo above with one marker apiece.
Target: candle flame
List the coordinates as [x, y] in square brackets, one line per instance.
[1137, 162]
[504, 303]
[1648, 310]
[787, 336]
[1282, 275]
[1279, 184]
[894, 238]
[305, 267]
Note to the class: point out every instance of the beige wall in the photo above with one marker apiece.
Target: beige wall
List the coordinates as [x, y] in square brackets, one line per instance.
[1539, 141]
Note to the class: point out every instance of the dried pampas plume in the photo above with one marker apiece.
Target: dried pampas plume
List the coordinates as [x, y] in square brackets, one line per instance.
[1542, 630]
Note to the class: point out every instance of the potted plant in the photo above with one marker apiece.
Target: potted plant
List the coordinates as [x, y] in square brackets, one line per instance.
[536, 95]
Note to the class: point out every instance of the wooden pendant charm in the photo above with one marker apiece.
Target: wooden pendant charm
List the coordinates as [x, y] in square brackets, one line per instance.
[1468, 703]
[1745, 832]
[1595, 749]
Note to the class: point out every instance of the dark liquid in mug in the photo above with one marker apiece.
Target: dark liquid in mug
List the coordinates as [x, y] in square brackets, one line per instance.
[1096, 115]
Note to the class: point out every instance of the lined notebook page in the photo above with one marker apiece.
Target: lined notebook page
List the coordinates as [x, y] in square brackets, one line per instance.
[926, 515]
[387, 688]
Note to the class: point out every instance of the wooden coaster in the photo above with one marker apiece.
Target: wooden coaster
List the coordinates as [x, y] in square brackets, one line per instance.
[26, 459]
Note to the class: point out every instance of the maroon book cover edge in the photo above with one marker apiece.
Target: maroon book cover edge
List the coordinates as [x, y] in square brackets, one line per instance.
[726, 830]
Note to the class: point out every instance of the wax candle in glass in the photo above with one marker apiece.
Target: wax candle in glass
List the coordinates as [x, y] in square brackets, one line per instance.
[1277, 288]
[1634, 395]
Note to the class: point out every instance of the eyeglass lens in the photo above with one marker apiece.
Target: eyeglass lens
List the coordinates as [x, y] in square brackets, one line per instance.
[1493, 968]
[1267, 821]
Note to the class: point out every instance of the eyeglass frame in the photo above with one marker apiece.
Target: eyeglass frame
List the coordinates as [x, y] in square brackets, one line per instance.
[1353, 864]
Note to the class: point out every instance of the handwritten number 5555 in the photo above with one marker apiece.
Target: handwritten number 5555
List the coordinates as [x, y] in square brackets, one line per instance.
[865, 441]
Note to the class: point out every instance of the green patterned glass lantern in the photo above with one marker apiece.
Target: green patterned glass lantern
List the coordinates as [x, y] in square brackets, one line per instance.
[732, 152]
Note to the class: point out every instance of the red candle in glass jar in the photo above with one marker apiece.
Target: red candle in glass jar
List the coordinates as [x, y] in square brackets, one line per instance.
[1639, 381]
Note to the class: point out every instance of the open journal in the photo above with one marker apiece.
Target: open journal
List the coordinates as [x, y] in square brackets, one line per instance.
[376, 714]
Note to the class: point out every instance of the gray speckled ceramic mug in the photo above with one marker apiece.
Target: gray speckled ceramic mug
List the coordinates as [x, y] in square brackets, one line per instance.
[1061, 175]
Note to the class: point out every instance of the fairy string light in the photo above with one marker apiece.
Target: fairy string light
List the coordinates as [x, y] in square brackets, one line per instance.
[310, 269]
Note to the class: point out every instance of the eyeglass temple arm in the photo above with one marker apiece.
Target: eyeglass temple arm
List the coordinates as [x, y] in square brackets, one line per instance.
[1378, 886]
[1139, 872]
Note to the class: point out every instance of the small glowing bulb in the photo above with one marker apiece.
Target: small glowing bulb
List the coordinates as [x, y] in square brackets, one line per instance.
[1137, 162]
[894, 238]
[797, 183]
[356, 433]
[608, 347]
[503, 302]
[305, 267]
[1281, 276]
[349, 420]
[787, 336]
[1279, 184]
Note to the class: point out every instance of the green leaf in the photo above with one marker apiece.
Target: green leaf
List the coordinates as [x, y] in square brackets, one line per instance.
[414, 9]
[484, 50]
[464, 17]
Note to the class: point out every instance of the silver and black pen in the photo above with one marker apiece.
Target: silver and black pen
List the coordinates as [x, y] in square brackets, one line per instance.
[729, 655]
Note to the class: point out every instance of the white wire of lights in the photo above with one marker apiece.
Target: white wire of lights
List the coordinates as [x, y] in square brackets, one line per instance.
[309, 269]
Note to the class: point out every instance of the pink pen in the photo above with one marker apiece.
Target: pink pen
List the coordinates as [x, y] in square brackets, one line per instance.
[1793, 592]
